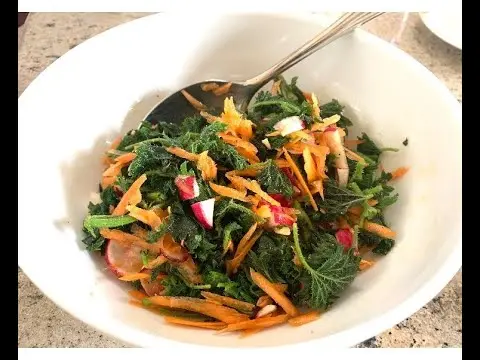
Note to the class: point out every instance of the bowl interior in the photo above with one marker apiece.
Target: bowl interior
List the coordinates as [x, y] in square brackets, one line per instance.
[101, 88]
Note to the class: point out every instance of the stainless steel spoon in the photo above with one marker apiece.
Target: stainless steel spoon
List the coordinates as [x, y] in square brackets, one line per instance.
[176, 107]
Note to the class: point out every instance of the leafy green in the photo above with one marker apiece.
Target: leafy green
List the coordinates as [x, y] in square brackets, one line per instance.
[384, 247]
[153, 157]
[193, 124]
[228, 230]
[274, 181]
[223, 284]
[94, 243]
[175, 286]
[228, 210]
[334, 108]
[327, 272]
[276, 142]
[368, 147]
[338, 200]
[106, 221]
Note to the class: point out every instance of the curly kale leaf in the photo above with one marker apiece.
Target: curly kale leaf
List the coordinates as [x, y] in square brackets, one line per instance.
[274, 181]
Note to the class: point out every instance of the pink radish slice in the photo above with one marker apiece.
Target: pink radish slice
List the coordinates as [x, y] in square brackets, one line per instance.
[345, 238]
[152, 288]
[289, 125]
[282, 200]
[334, 143]
[187, 187]
[122, 259]
[203, 211]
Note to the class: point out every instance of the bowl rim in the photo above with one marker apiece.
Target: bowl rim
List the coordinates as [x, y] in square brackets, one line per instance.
[346, 338]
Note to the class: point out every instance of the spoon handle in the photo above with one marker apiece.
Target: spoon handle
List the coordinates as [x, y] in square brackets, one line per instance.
[343, 25]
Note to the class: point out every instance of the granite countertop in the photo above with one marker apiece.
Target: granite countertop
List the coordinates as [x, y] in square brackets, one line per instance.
[49, 35]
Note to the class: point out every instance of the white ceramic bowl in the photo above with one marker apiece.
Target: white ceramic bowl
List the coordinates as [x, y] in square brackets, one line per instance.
[83, 100]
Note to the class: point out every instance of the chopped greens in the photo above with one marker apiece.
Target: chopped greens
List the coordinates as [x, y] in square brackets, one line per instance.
[200, 204]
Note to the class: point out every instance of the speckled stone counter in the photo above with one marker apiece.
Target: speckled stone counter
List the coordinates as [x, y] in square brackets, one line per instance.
[49, 35]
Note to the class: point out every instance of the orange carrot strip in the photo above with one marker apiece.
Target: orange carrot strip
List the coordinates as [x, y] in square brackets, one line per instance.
[131, 197]
[137, 294]
[126, 158]
[159, 260]
[264, 301]
[253, 186]
[299, 176]
[365, 264]
[237, 142]
[398, 173]
[282, 163]
[250, 156]
[127, 239]
[195, 103]
[146, 216]
[354, 156]
[232, 265]
[304, 318]
[229, 192]
[280, 287]
[199, 324]
[257, 323]
[207, 166]
[280, 298]
[309, 165]
[139, 231]
[275, 87]
[184, 154]
[134, 276]
[114, 169]
[107, 181]
[245, 238]
[222, 89]
[352, 143]
[219, 312]
[209, 86]
[228, 301]
[378, 229]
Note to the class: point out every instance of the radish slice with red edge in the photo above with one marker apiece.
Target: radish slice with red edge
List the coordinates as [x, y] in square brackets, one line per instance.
[345, 238]
[172, 250]
[122, 259]
[187, 187]
[203, 211]
[154, 287]
[289, 125]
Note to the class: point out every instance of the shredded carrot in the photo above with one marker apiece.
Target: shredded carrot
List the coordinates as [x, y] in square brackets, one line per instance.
[207, 166]
[228, 301]
[264, 300]
[114, 169]
[139, 231]
[309, 165]
[138, 295]
[299, 176]
[365, 264]
[315, 106]
[253, 186]
[195, 103]
[357, 210]
[277, 296]
[325, 123]
[318, 188]
[134, 276]
[233, 264]
[217, 325]
[126, 158]
[296, 147]
[273, 133]
[107, 181]
[398, 173]
[209, 86]
[352, 155]
[229, 192]
[238, 143]
[184, 154]
[159, 260]
[244, 172]
[225, 88]
[263, 211]
[127, 239]
[378, 229]
[251, 157]
[282, 163]
[236, 123]
[210, 118]
[304, 318]
[219, 312]
[352, 143]
[280, 287]
[145, 216]
[132, 196]
[257, 323]
[275, 87]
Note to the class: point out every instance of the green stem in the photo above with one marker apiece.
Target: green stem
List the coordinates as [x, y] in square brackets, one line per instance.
[106, 221]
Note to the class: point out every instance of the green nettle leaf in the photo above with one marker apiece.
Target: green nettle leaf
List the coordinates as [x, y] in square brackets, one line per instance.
[331, 277]
[274, 181]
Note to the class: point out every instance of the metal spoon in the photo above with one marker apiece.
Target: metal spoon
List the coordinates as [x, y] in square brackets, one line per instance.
[176, 107]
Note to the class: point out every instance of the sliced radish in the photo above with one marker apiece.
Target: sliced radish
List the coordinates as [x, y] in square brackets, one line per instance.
[266, 310]
[280, 217]
[155, 287]
[289, 125]
[187, 187]
[334, 143]
[267, 144]
[203, 211]
[345, 238]
[122, 259]
[173, 251]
